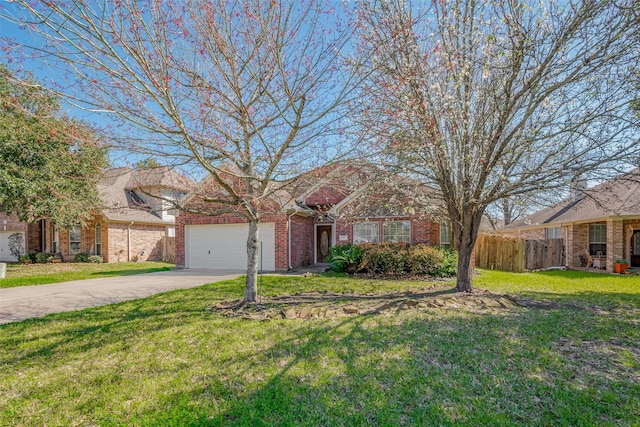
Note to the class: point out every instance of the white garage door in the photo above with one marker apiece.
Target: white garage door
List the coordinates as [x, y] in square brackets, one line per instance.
[224, 246]
[5, 253]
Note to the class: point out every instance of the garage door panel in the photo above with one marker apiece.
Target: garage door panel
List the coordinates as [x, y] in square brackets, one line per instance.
[224, 246]
[5, 252]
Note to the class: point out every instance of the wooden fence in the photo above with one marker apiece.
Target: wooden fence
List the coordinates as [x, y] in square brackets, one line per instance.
[169, 249]
[514, 254]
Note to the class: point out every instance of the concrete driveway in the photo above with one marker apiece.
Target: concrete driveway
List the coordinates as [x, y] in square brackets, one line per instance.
[26, 302]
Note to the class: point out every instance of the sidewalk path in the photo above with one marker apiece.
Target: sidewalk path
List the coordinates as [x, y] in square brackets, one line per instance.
[25, 302]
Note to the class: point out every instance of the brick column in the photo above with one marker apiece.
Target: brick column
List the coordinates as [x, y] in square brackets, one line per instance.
[570, 255]
[615, 243]
[580, 242]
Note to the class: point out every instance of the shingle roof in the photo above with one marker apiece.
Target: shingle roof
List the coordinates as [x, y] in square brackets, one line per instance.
[618, 197]
[121, 203]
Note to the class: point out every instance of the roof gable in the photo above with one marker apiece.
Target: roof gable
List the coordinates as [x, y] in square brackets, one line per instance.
[618, 197]
[121, 202]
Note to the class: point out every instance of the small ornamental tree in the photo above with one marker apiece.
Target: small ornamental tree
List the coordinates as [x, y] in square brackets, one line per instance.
[489, 100]
[249, 94]
[49, 163]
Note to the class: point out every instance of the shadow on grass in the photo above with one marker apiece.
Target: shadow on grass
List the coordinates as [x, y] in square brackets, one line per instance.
[130, 272]
[576, 274]
[585, 300]
[470, 370]
[529, 367]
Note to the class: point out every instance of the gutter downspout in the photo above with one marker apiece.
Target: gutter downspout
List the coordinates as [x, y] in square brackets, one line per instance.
[129, 241]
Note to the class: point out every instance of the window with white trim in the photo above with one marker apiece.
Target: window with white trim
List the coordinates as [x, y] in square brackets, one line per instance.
[597, 239]
[55, 240]
[445, 234]
[553, 233]
[366, 232]
[74, 239]
[396, 231]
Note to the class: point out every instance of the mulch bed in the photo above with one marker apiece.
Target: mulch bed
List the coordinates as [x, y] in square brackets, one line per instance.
[317, 304]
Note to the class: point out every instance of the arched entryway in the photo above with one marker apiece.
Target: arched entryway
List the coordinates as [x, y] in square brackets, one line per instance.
[635, 248]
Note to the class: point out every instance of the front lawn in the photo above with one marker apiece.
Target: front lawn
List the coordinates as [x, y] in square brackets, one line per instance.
[173, 359]
[41, 274]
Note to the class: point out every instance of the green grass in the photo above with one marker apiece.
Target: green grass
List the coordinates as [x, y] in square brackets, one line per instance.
[42, 274]
[570, 286]
[169, 360]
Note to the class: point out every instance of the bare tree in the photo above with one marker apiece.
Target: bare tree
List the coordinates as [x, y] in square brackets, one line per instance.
[490, 99]
[248, 93]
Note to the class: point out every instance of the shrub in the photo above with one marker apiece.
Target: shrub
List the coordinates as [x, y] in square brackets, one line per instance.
[82, 257]
[425, 259]
[401, 258]
[345, 258]
[95, 259]
[449, 265]
[43, 257]
[386, 258]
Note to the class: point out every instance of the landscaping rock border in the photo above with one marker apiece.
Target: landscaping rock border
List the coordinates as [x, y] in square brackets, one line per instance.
[317, 304]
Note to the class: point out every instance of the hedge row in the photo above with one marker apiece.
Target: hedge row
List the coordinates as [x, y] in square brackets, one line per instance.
[393, 258]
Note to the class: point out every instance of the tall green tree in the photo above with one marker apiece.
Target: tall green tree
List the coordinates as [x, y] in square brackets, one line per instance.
[49, 163]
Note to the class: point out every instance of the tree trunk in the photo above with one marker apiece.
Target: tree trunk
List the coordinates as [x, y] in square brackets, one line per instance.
[465, 241]
[506, 211]
[251, 284]
[464, 281]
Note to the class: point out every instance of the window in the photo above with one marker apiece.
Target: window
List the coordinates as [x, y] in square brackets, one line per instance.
[74, 239]
[396, 231]
[171, 232]
[597, 239]
[55, 239]
[98, 240]
[365, 232]
[445, 234]
[554, 233]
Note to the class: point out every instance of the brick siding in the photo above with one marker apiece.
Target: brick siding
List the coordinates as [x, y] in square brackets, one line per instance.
[615, 243]
[12, 223]
[302, 250]
[146, 242]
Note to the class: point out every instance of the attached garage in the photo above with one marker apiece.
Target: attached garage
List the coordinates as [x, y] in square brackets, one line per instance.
[5, 253]
[224, 246]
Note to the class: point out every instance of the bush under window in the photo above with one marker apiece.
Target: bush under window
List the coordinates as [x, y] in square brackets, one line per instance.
[394, 258]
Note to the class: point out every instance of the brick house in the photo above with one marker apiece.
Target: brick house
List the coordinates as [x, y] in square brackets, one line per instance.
[135, 218]
[603, 221]
[342, 207]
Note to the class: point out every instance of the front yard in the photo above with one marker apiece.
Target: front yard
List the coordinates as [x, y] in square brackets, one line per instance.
[570, 358]
[42, 274]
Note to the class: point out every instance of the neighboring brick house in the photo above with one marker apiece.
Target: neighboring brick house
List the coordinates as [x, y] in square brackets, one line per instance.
[603, 221]
[132, 225]
[326, 212]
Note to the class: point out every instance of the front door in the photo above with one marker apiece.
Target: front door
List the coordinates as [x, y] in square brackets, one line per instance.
[635, 248]
[323, 242]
